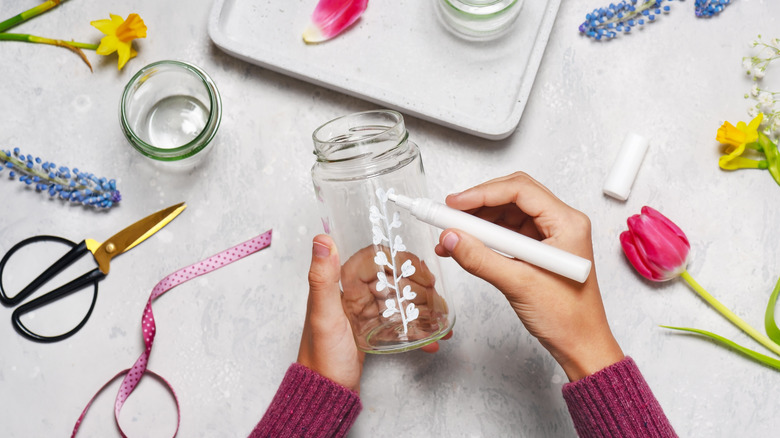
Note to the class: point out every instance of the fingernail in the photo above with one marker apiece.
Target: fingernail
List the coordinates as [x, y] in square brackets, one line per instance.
[450, 240]
[453, 195]
[320, 250]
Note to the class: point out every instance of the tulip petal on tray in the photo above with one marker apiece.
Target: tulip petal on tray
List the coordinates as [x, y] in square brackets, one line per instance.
[331, 17]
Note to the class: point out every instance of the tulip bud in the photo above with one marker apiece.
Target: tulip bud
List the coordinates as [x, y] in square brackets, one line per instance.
[655, 246]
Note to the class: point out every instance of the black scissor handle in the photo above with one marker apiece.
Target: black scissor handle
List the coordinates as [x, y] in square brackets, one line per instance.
[90, 277]
[63, 262]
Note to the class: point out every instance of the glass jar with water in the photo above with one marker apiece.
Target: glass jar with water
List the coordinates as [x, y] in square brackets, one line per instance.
[170, 111]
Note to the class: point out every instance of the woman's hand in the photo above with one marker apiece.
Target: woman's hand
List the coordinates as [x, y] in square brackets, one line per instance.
[567, 317]
[327, 345]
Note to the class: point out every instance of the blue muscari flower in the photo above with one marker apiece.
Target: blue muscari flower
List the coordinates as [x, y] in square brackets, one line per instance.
[77, 187]
[708, 8]
[620, 17]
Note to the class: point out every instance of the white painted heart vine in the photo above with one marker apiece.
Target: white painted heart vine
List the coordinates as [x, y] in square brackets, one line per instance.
[382, 230]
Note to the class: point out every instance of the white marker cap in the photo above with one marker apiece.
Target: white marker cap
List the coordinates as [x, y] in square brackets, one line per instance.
[623, 172]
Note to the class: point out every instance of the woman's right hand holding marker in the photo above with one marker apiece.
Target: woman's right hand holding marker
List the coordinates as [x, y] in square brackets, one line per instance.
[566, 317]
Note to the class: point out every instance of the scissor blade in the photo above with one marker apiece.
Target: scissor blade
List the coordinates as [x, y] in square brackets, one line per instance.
[154, 223]
[134, 234]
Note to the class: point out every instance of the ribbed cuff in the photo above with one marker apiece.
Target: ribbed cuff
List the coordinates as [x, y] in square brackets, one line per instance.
[308, 404]
[616, 402]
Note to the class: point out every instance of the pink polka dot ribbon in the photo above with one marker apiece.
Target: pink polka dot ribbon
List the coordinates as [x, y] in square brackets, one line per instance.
[134, 374]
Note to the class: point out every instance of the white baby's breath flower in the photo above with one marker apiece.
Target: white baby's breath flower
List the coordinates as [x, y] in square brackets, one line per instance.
[754, 90]
[747, 64]
[765, 99]
[759, 73]
[752, 111]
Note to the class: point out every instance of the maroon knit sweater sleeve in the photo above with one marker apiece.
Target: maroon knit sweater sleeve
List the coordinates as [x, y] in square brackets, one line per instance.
[616, 402]
[308, 404]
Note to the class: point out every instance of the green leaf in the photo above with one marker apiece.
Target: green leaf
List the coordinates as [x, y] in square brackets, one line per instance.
[766, 360]
[772, 156]
[769, 317]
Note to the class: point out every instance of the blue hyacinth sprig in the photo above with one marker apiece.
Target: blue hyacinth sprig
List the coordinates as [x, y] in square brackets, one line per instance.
[606, 23]
[708, 8]
[73, 186]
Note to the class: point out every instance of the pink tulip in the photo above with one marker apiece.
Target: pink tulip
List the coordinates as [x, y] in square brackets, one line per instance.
[655, 246]
[331, 17]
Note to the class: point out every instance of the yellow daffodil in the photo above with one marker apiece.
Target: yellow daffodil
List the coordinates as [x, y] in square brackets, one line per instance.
[119, 36]
[740, 135]
[736, 138]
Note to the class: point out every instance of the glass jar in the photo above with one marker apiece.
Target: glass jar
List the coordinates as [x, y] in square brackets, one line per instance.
[478, 20]
[170, 112]
[392, 288]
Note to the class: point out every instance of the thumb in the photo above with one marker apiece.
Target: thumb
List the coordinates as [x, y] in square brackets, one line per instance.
[324, 292]
[476, 258]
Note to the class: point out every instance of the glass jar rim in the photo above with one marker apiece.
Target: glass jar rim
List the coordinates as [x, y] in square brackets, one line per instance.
[193, 146]
[480, 11]
[324, 147]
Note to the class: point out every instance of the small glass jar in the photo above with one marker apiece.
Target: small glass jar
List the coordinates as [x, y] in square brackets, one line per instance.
[170, 112]
[392, 289]
[478, 20]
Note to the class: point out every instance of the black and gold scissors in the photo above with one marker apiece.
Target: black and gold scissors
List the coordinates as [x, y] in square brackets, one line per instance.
[102, 254]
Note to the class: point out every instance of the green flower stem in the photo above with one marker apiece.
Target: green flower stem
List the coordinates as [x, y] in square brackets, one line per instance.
[731, 316]
[41, 40]
[73, 46]
[26, 15]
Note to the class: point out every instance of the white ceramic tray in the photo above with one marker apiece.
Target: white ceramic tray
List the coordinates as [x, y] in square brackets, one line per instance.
[399, 56]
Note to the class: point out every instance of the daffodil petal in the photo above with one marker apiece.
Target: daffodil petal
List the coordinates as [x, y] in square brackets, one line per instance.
[735, 150]
[123, 50]
[106, 26]
[730, 162]
[756, 122]
[108, 45]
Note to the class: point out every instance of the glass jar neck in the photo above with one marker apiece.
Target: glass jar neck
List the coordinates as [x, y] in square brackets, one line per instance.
[360, 139]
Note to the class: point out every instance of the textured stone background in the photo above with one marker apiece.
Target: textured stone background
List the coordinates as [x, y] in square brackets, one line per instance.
[225, 340]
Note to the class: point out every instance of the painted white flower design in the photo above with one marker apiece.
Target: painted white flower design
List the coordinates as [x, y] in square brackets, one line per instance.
[382, 230]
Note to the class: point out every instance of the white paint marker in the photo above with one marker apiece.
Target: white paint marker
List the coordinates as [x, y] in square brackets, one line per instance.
[497, 237]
